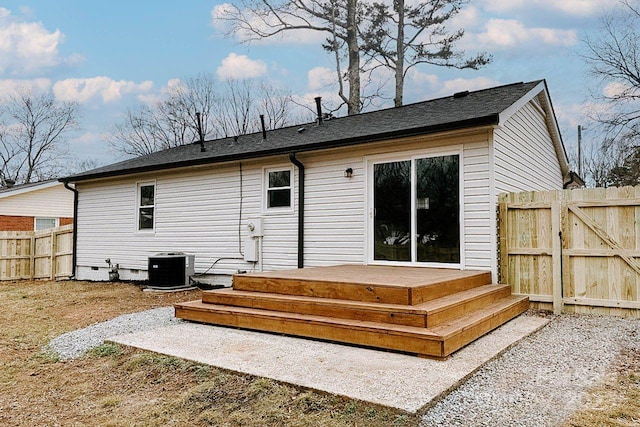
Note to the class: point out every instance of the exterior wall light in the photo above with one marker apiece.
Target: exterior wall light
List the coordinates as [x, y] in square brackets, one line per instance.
[348, 173]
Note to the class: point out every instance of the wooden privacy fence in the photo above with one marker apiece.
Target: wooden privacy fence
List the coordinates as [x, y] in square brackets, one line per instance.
[575, 249]
[45, 254]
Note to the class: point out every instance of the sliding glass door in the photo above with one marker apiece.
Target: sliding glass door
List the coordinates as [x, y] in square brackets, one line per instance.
[415, 210]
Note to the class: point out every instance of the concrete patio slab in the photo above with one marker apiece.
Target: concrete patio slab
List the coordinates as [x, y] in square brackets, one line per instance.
[390, 379]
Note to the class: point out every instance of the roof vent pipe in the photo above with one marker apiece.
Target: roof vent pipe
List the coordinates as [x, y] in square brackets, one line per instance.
[264, 130]
[319, 109]
[202, 150]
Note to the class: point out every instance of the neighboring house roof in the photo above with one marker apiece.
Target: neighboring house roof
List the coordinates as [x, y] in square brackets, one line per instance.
[25, 188]
[489, 107]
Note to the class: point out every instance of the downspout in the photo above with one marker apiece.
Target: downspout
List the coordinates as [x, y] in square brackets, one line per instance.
[572, 180]
[75, 228]
[296, 162]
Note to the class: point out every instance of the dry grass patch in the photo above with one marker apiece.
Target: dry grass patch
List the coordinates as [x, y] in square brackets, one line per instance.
[120, 386]
[616, 402]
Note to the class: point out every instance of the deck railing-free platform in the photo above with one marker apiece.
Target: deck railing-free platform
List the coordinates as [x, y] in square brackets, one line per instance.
[424, 311]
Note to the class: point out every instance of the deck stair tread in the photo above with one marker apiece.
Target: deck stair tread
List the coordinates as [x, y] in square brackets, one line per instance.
[429, 312]
[358, 324]
[441, 331]
[397, 287]
[413, 339]
[415, 315]
[461, 324]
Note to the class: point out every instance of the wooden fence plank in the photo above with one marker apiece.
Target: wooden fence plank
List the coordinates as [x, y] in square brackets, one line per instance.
[556, 232]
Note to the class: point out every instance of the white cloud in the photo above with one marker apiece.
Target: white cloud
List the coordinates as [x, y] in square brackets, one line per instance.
[432, 86]
[468, 17]
[10, 86]
[27, 47]
[237, 66]
[616, 90]
[509, 33]
[571, 115]
[89, 138]
[85, 90]
[450, 87]
[217, 16]
[579, 8]
[152, 98]
[321, 78]
[416, 77]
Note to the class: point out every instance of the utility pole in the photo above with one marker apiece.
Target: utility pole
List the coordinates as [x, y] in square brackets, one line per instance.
[580, 151]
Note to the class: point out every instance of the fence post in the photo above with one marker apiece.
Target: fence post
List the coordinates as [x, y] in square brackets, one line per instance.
[32, 256]
[556, 252]
[54, 249]
[503, 250]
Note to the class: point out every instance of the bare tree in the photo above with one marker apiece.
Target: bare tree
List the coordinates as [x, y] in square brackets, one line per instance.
[34, 135]
[401, 36]
[614, 61]
[230, 108]
[338, 19]
[397, 37]
[170, 122]
[275, 106]
[241, 102]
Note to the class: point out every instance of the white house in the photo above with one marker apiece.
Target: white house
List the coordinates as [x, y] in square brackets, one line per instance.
[415, 185]
[35, 206]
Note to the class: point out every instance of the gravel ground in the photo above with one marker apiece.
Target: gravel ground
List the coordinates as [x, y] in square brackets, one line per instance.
[538, 382]
[74, 344]
[543, 379]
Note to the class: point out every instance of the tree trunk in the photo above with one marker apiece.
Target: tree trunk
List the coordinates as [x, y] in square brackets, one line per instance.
[353, 73]
[399, 62]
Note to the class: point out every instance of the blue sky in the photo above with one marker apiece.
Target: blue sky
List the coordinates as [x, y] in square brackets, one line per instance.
[112, 55]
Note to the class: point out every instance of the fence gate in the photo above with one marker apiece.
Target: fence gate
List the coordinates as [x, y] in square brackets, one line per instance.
[574, 248]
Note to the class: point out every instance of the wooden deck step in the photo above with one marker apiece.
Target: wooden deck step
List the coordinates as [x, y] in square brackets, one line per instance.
[437, 342]
[422, 315]
[381, 284]
[461, 331]
[449, 307]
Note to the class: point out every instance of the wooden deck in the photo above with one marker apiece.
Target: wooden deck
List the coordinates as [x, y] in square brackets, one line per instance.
[429, 312]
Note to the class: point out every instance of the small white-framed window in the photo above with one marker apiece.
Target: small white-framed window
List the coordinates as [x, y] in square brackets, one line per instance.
[278, 188]
[45, 223]
[146, 206]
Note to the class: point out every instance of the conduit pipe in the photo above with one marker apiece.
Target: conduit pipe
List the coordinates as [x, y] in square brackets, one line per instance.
[75, 228]
[300, 166]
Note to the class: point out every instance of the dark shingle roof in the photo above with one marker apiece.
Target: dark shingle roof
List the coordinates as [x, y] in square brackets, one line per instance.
[476, 108]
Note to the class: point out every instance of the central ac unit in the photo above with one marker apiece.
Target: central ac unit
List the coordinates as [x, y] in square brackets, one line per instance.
[170, 270]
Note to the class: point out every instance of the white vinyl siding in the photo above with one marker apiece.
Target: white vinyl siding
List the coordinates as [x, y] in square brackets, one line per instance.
[525, 159]
[478, 225]
[51, 202]
[197, 211]
[334, 210]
